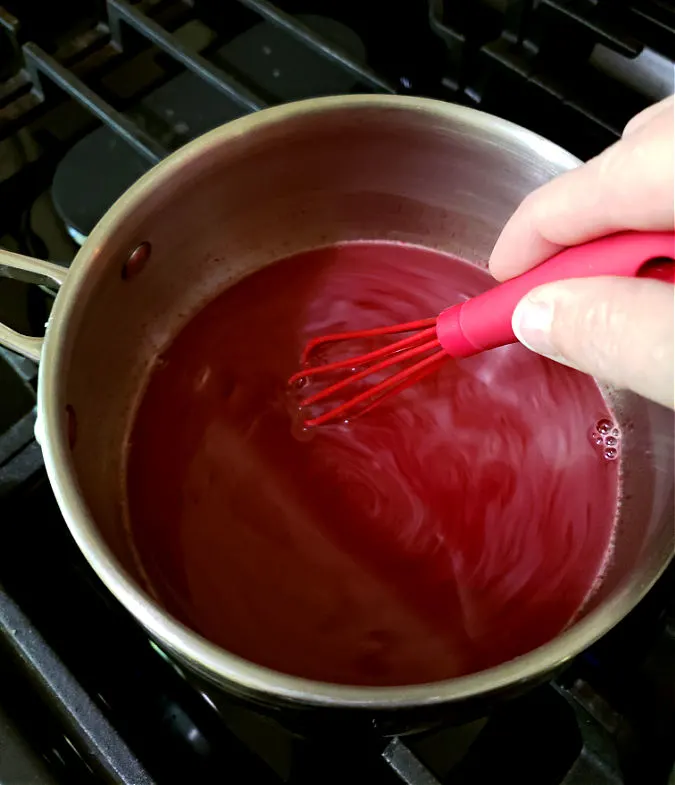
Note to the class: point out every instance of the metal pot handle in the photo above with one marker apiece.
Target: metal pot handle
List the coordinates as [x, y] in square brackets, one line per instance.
[25, 268]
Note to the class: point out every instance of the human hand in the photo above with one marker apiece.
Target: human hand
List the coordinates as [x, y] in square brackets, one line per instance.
[619, 330]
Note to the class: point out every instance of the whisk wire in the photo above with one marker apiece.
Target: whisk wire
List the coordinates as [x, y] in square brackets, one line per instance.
[407, 354]
[417, 374]
[392, 329]
[376, 394]
[422, 344]
[361, 359]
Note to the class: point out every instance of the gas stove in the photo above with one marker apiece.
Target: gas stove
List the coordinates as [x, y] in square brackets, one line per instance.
[91, 96]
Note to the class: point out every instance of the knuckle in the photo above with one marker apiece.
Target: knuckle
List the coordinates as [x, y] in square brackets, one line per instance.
[608, 163]
[590, 332]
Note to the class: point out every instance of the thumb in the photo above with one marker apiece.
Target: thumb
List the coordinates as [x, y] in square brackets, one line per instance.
[620, 330]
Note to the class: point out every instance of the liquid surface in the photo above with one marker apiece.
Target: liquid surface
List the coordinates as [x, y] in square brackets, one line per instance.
[458, 525]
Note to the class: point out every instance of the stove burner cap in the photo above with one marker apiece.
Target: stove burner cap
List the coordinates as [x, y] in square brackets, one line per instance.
[99, 168]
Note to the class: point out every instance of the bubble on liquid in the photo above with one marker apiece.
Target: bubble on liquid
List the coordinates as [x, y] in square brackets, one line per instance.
[303, 381]
[611, 453]
[610, 441]
[596, 438]
[300, 431]
[603, 426]
[615, 431]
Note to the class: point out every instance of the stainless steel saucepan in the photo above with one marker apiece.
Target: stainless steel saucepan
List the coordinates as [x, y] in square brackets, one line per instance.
[274, 183]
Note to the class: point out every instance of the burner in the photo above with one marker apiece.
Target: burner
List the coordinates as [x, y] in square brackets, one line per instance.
[97, 170]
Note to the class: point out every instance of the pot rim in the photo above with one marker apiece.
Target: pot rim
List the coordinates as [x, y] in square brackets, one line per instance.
[209, 659]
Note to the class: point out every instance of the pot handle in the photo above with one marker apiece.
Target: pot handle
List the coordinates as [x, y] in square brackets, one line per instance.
[25, 268]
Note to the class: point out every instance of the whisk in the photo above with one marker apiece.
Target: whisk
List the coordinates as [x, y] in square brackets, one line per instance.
[474, 326]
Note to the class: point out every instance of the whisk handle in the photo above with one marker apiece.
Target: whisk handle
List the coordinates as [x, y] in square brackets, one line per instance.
[484, 322]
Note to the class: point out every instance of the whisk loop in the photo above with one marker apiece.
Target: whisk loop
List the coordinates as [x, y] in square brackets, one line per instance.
[424, 342]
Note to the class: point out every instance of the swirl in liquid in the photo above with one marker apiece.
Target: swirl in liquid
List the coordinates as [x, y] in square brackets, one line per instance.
[458, 525]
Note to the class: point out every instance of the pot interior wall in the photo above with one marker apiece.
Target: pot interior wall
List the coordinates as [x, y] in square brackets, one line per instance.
[272, 185]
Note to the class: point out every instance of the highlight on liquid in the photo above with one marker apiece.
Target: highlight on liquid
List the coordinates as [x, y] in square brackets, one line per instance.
[458, 525]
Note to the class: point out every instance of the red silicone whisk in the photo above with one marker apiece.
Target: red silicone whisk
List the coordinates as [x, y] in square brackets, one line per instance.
[474, 326]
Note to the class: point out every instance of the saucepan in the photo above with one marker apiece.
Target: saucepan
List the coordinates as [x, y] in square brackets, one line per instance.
[274, 183]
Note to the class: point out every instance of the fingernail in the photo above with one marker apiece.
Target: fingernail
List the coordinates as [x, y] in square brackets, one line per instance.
[532, 321]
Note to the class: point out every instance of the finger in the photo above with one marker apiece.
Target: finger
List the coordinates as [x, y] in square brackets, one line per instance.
[666, 105]
[619, 330]
[628, 186]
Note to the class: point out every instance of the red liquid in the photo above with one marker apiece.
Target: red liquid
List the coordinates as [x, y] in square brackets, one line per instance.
[459, 525]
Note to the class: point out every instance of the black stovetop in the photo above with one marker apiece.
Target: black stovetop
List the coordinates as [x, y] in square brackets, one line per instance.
[91, 95]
